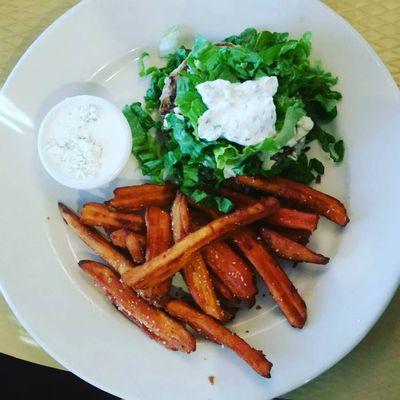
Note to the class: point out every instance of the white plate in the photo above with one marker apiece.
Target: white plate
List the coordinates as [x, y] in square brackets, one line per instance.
[92, 49]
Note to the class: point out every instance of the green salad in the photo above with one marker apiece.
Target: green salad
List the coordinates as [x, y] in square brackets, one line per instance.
[166, 130]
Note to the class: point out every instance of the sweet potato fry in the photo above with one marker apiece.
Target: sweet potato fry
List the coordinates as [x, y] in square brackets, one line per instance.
[96, 241]
[134, 242]
[222, 289]
[212, 330]
[203, 212]
[171, 261]
[153, 322]
[297, 235]
[145, 189]
[136, 245]
[118, 237]
[181, 223]
[158, 240]
[195, 272]
[202, 289]
[278, 283]
[231, 269]
[288, 249]
[303, 195]
[284, 217]
[141, 196]
[95, 214]
[294, 219]
[237, 198]
[159, 234]
[226, 264]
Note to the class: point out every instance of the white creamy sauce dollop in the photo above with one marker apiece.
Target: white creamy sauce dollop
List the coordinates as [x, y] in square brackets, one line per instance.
[243, 113]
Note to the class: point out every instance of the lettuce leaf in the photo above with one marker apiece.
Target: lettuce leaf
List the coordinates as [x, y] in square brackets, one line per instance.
[176, 153]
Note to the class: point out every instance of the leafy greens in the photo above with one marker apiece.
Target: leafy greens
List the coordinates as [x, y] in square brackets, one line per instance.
[171, 151]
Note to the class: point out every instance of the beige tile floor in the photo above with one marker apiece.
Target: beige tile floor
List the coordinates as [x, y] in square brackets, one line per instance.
[369, 372]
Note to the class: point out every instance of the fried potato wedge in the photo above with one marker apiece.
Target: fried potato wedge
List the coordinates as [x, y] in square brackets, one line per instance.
[134, 242]
[303, 195]
[195, 272]
[281, 288]
[284, 217]
[96, 241]
[212, 330]
[158, 240]
[171, 261]
[231, 269]
[222, 289]
[138, 197]
[95, 214]
[155, 323]
[288, 249]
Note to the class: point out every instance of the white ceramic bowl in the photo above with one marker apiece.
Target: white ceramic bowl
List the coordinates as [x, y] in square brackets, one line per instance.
[110, 131]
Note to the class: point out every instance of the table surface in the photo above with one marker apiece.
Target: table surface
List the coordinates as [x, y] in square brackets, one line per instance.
[371, 371]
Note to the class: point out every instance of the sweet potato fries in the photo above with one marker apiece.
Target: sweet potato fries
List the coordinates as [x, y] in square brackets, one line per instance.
[288, 249]
[303, 195]
[154, 232]
[196, 275]
[158, 240]
[168, 263]
[279, 285]
[153, 322]
[95, 214]
[211, 330]
[132, 198]
[231, 269]
[96, 241]
[284, 217]
[134, 242]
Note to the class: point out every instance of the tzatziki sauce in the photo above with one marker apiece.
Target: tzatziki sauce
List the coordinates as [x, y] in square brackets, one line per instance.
[243, 113]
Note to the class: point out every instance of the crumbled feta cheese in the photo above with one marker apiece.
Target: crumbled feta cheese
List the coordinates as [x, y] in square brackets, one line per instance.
[73, 146]
[303, 126]
[229, 172]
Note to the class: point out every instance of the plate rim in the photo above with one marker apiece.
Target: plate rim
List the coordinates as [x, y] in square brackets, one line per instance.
[390, 293]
